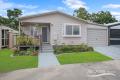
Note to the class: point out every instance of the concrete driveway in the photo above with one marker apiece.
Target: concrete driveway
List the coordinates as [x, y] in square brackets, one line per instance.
[112, 51]
[109, 70]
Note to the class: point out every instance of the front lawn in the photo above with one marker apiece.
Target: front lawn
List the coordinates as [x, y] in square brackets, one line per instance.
[9, 63]
[81, 57]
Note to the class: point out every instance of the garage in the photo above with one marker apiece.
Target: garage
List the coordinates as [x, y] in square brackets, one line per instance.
[114, 33]
[97, 37]
[115, 36]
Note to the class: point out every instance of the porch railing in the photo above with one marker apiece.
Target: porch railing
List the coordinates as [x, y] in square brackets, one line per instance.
[29, 41]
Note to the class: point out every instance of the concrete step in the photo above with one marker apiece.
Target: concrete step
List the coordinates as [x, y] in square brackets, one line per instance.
[48, 51]
[46, 48]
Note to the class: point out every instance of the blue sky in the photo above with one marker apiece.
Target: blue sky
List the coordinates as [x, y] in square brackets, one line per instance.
[38, 6]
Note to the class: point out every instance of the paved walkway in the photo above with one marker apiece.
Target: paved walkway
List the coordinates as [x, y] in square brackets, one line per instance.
[112, 51]
[47, 60]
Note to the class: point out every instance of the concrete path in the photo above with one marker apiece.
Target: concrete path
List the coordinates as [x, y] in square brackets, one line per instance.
[47, 60]
[112, 51]
[109, 70]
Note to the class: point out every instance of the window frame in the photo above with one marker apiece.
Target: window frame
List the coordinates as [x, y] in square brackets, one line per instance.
[64, 32]
[5, 38]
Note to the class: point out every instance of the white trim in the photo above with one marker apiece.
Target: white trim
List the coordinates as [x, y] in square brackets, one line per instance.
[64, 31]
[114, 38]
[71, 36]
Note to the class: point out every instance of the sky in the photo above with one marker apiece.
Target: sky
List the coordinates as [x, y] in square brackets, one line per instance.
[30, 7]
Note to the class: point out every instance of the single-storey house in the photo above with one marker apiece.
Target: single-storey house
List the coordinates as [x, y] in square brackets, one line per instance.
[60, 28]
[7, 37]
[114, 33]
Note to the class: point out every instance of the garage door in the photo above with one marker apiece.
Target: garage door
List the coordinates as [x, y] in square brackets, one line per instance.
[97, 37]
[115, 36]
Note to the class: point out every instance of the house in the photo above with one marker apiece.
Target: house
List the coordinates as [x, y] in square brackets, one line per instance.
[60, 28]
[114, 33]
[7, 37]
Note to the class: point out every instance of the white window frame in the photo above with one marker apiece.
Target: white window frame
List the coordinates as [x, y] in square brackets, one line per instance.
[64, 32]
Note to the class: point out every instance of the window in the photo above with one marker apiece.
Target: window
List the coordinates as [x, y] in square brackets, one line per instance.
[34, 31]
[72, 30]
[5, 38]
[68, 30]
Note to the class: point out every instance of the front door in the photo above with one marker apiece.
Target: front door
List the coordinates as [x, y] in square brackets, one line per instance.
[44, 34]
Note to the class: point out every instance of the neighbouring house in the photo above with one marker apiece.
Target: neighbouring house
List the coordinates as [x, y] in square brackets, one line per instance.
[114, 33]
[7, 37]
[60, 28]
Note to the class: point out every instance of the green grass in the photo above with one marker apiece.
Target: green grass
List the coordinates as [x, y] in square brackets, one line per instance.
[82, 57]
[8, 63]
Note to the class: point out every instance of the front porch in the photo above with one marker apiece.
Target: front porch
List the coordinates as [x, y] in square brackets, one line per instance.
[36, 30]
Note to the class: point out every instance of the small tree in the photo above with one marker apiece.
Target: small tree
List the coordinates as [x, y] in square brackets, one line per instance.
[13, 16]
[103, 17]
[82, 13]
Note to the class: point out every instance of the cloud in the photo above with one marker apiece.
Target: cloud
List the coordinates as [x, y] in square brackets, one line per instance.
[5, 5]
[8, 5]
[75, 4]
[26, 12]
[114, 6]
[116, 14]
[3, 13]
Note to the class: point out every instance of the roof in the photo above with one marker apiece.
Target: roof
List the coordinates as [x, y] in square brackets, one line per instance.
[113, 24]
[5, 27]
[58, 12]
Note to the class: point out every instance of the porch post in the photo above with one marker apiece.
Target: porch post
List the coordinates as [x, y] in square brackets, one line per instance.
[19, 28]
[108, 35]
[10, 45]
[0, 37]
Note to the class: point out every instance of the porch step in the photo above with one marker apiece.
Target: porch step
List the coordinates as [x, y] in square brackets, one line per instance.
[47, 51]
[46, 48]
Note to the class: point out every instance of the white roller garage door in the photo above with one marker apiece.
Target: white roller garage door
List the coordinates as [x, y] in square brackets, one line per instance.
[97, 37]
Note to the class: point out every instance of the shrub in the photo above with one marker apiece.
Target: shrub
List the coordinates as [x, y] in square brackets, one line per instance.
[72, 48]
[34, 53]
[16, 53]
[26, 40]
[28, 52]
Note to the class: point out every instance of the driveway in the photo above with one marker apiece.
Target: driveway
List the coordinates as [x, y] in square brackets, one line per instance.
[112, 51]
[109, 70]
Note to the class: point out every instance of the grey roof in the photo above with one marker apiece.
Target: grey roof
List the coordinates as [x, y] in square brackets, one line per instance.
[59, 12]
[113, 24]
[10, 29]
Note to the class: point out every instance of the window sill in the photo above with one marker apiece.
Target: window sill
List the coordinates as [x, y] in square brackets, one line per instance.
[70, 36]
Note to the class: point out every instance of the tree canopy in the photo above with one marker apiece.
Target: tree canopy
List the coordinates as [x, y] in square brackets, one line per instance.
[12, 18]
[101, 17]
[82, 13]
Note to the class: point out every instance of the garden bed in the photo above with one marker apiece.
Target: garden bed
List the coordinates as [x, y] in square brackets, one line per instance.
[59, 49]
